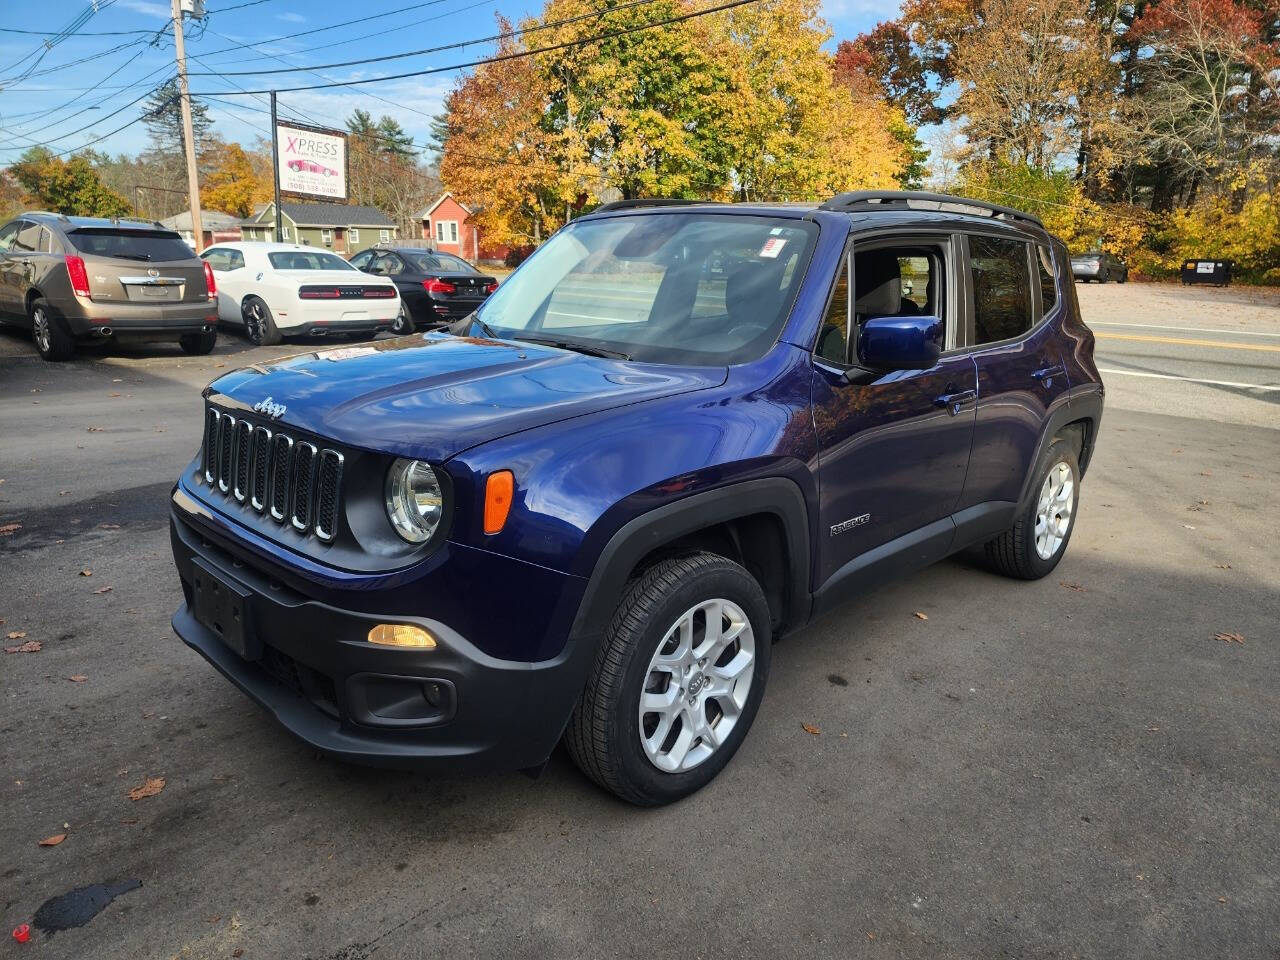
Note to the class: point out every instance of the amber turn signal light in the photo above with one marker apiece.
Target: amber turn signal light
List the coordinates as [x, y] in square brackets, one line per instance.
[498, 490]
[402, 635]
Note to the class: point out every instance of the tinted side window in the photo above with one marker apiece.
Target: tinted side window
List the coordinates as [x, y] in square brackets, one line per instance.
[361, 260]
[28, 240]
[1048, 288]
[832, 338]
[1001, 288]
[217, 259]
[48, 242]
[8, 233]
[235, 259]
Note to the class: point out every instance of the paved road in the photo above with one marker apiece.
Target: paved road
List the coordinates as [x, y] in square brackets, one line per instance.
[1069, 768]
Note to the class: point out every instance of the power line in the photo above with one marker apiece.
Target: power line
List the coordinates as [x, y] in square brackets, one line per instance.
[69, 30]
[104, 117]
[551, 24]
[518, 55]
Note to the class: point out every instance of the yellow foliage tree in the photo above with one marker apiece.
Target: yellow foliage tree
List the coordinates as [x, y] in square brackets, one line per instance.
[232, 185]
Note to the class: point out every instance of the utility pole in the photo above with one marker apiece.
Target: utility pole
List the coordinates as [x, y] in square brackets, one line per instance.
[275, 167]
[188, 137]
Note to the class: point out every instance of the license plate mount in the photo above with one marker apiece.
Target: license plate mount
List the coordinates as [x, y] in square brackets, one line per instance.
[225, 607]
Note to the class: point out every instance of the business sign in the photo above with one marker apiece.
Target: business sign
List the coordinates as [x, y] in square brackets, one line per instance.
[311, 161]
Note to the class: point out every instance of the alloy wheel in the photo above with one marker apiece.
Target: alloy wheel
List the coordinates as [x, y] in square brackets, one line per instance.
[401, 325]
[40, 329]
[255, 323]
[1054, 509]
[697, 683]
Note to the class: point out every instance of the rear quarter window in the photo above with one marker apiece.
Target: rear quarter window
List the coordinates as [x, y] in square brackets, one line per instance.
[1001, 288]
[131, 244]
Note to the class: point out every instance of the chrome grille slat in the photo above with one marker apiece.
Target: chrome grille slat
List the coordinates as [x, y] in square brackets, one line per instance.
[304, 477]
[289, 480]
[240, 457]
[328, 494]
[258, 469]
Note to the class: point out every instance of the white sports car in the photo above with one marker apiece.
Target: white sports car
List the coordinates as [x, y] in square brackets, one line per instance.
[277, 290]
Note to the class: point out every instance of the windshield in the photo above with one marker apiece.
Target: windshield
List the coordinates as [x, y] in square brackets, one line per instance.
[308, 260]
[664, 288]
[131, 244]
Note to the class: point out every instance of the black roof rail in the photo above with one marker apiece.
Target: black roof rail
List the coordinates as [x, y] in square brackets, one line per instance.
[922, 200]
[646, 202]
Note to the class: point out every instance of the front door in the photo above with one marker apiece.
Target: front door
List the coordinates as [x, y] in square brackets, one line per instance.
[12, 270]
[894, 446]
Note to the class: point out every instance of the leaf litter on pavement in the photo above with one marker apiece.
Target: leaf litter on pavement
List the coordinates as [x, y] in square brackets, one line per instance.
[150, 788]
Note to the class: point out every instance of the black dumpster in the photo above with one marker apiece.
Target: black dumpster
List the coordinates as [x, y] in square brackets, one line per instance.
[1215, 272]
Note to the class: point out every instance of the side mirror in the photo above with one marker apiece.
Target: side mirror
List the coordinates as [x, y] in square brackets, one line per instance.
[900, 343]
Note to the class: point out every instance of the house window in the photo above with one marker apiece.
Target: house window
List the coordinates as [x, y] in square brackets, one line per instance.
[284, 231]
[384, 236]
[446, 231]
[355, 235]
[326, 236]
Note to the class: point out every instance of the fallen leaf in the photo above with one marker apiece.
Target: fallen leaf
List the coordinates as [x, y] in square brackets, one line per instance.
[9, 528]
[1188, 526]
[1222, 899]
[78, 678]
[1152, 729]
[921, 616]
[86, 573]
[53, 841]
[149, 789]
[1072, 586]
[103, 590]
[1223, 566]
[95, 430]
[129, 821]
[17, 634]
[238, 952]
[810, 728]
[213, 919]
[113, 394]
[108, 526]
[31, 646]
[1229, 637]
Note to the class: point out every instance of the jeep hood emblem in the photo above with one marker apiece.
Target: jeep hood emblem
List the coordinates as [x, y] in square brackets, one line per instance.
[270, 408]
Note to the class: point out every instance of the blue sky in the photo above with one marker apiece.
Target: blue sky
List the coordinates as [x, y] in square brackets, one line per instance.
[110, 80]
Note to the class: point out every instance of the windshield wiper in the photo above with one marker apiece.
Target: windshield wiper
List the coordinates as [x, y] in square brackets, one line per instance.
[134, 256]
[589, 349]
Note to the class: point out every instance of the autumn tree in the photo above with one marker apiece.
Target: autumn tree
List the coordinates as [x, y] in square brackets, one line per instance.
[884, 62]
[500, 153]
[233, 186]
[71, 186]
[384, 169]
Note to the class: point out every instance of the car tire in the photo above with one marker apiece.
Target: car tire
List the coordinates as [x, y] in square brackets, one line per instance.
[1032, 547]
[618, 745]
[1124, 277]
[403, 325]
[49, 332]
[259, 325]
[199, 344]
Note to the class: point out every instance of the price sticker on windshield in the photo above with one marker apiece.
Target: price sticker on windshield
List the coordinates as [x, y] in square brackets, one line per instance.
[772, 247]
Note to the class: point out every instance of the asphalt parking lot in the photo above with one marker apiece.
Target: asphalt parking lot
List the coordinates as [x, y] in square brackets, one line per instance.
[1075, 767]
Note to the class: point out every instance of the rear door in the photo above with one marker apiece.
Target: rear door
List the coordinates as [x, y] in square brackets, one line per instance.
[1013, 315]
[144, 267]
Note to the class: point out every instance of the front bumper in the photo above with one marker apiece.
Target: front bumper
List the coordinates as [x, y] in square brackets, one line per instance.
[452, 708]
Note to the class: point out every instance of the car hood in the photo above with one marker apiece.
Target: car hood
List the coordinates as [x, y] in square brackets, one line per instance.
[431, 396]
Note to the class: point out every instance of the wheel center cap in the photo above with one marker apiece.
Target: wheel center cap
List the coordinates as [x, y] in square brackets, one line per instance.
[699, 681]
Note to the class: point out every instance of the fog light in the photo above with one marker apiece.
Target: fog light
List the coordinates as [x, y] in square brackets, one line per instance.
[402, 635]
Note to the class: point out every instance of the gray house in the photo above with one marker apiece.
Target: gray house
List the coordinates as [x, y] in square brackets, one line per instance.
[343, 228]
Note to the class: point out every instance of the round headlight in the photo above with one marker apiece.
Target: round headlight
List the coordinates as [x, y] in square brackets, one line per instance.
[415, 502]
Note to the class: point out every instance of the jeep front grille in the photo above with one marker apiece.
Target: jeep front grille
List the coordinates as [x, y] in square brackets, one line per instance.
[289, 480]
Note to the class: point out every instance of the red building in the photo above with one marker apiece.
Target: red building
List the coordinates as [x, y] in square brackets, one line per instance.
[446, 224]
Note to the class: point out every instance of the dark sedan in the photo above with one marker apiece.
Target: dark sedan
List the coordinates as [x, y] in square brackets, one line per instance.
[435, 288]
[1100, 266]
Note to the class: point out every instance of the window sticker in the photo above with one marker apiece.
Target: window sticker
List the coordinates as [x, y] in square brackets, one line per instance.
[772, 247]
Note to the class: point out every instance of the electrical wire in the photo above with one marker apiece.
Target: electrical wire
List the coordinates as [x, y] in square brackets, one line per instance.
[549, 25]
[47, 45]
[518, 55]
[107, 116]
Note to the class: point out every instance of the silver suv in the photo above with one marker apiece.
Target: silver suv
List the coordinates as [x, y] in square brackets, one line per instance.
[72, 279]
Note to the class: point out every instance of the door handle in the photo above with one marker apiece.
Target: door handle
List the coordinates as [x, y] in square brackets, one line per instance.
[955, 401]
[1046, 374]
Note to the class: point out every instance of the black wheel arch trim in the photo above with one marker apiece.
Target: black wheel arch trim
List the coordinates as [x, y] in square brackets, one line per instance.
[665, 524]
[1080, 403]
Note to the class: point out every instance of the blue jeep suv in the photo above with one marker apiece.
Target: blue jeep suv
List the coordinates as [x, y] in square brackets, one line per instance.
[676, 433]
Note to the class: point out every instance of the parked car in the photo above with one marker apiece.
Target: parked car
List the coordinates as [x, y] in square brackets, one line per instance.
[82, 279]
[435, 288]
[589, 515]
[276, 290]
[1100, 266]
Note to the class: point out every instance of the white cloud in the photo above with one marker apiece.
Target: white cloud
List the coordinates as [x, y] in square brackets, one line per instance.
[291, 17]
[148, 7]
